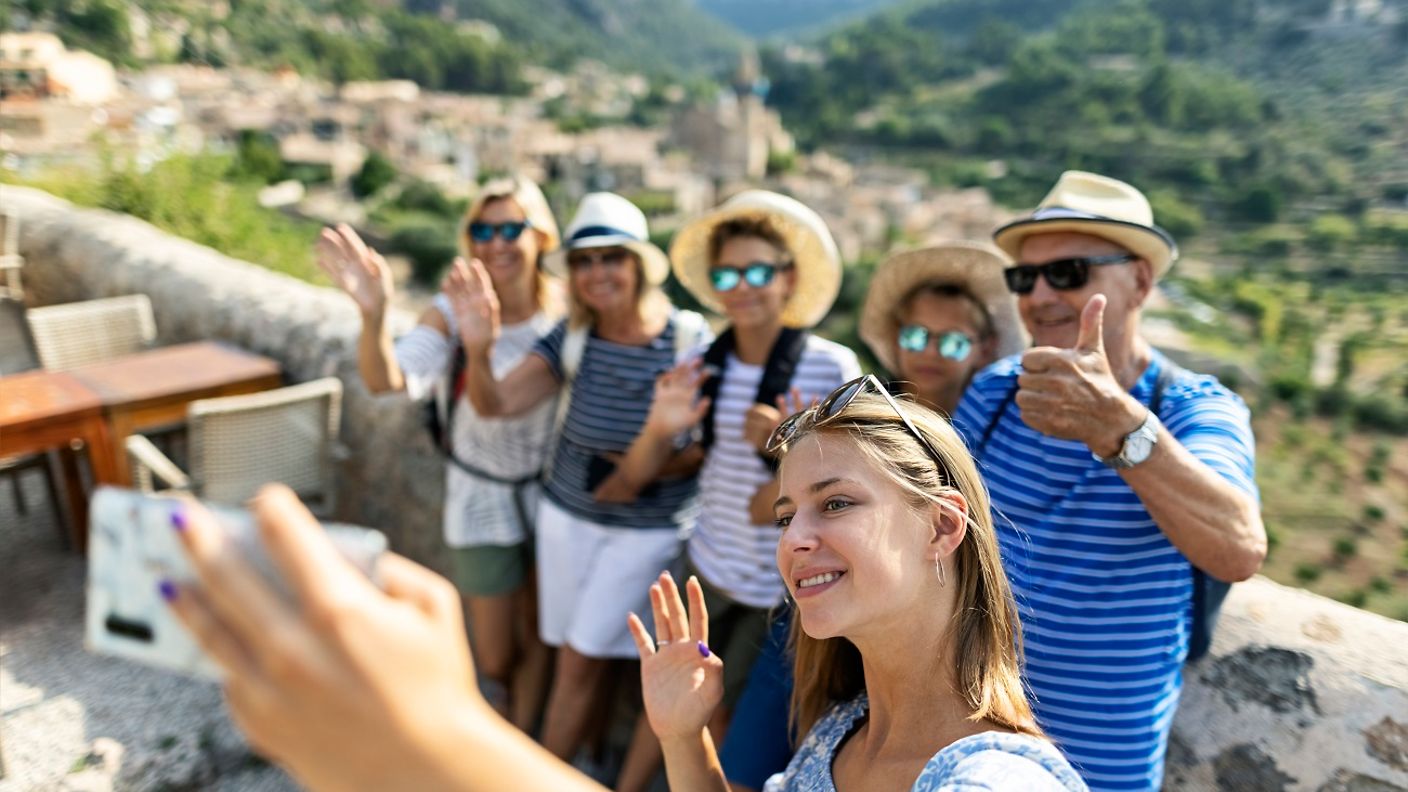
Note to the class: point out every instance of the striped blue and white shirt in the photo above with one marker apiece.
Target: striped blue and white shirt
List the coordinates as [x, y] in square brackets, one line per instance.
[731, 553]
[611, 395]
[1105, 598]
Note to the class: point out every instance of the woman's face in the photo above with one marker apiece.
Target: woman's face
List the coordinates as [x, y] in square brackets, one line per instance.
[507, 261]
[746, 304]
[930, 370]
[606, 280]
[854, 553]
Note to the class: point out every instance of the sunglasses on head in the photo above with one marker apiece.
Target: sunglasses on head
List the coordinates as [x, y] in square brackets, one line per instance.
[836, 404]
[954, 345]
[611, 257]
[1063, 275]
[758, 274]
[510, 231]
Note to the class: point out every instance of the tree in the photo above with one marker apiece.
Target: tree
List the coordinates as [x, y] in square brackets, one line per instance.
[376, 173]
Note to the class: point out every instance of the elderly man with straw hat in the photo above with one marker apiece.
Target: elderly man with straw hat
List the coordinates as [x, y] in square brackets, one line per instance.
[1125, 484]
[769, 265]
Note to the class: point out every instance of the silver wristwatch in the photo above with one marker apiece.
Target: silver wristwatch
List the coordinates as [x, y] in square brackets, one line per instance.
[1137, 447]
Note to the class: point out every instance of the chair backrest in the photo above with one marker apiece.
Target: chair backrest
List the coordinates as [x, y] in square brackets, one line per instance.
[10, 259]
[239, 443]
[17, 351]
[75, 334]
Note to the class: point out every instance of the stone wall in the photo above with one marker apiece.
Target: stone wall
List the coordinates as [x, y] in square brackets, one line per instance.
[1299, 692]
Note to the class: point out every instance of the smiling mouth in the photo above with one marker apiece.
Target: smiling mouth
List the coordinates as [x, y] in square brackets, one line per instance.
[818, 579]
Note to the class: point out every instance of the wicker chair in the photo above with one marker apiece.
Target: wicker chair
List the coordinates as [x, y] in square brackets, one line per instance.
[17, 354]
[239, 443]
[11, 262]
[75, 334]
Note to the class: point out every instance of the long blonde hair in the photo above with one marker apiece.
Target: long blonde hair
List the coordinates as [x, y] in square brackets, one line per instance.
[548, 292]
[984, 632]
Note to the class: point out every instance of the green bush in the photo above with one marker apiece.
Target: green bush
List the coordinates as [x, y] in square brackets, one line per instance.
[1345, 547]
[1354, 597]
[430, 249]
[1379, 585]
[1307, 572]
[376, 172]
[1373, 512]
[1330, 232]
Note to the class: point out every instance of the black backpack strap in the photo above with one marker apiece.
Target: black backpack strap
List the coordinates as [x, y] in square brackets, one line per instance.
[782, 364]
[715, 359]
[994, 420]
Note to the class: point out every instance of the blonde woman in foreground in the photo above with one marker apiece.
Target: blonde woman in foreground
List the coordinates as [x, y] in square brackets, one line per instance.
[907, 652]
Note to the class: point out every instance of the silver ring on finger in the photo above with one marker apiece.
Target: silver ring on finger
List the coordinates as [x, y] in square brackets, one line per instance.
[659, 644]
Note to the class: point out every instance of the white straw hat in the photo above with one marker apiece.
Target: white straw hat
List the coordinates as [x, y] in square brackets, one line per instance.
[607, 220]
[808, 241]
[1088, 203]
[974, 266]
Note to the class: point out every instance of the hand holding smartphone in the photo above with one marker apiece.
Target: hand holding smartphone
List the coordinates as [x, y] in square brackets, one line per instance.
[133, 548]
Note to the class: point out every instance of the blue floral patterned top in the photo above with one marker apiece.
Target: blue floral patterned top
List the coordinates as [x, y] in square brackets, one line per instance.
[987, 761]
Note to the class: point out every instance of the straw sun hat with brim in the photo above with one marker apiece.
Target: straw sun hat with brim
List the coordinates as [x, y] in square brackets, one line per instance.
[972, 266]
[809, 242]
[607, 220]
[1088, 203]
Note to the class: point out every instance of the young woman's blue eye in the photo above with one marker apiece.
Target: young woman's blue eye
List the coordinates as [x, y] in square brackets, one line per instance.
[833, 504]
[783, 521]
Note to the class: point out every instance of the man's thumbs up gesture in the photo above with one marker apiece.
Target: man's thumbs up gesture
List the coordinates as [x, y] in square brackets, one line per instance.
[1073, 394]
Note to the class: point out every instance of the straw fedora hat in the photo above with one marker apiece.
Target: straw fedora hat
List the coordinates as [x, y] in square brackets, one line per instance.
[607, 220]
[972, 265]
[1088, 203]
[813, 251]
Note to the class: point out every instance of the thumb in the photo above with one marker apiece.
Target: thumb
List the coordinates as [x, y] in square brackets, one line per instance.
[1092, 326]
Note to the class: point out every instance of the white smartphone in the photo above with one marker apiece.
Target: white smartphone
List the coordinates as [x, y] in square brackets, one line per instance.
[132, 547]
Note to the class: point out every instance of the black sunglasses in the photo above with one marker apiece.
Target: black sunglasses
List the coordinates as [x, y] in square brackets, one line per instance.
[1063, 275]
[611, 258]
[836, 403]
[510, 231]
[757, 273]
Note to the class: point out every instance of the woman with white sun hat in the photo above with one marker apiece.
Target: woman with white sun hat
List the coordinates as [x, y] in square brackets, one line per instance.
[595, 558]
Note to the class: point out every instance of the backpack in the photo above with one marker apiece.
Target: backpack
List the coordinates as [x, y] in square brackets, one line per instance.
[1208, 591]
[777, 376]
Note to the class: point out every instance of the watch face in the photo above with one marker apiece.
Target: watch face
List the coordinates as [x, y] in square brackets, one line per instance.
[1137, 448]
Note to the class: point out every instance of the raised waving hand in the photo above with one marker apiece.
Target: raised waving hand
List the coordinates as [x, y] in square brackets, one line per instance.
[355, 268]
[682, 681]
[475, 303]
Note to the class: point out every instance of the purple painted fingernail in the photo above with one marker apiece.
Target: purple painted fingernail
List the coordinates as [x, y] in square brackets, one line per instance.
[703, 649]
[167, 590]
[178, 520]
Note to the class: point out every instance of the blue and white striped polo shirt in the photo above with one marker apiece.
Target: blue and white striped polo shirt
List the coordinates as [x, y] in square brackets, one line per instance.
[611, 396]
[1105, 598]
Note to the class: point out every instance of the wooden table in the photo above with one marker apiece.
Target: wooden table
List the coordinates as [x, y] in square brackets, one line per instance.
[152, 388]
[40, 410]
[102, 403]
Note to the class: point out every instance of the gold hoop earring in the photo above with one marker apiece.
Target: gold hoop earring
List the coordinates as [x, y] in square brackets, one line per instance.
[939, 570]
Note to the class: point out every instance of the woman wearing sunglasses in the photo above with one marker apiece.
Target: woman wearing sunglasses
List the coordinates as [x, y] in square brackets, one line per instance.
[934, 316]
[595, 557]
[908, 643]
[769, 265]
[492, 465]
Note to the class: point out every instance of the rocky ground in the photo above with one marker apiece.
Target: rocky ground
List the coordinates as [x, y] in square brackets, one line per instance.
[70, 720]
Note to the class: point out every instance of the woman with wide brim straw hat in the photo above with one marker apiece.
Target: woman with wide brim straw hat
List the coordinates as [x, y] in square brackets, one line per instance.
[594, 558]
[770, 266]
[936, 315]
[491, 468]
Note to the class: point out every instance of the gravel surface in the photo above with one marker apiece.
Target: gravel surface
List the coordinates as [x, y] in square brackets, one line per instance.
[70, 720]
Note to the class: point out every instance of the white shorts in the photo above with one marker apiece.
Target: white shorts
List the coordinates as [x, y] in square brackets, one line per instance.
[591, 575]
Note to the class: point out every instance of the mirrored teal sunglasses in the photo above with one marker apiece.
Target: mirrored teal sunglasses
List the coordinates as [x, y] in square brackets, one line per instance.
[954, 345]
